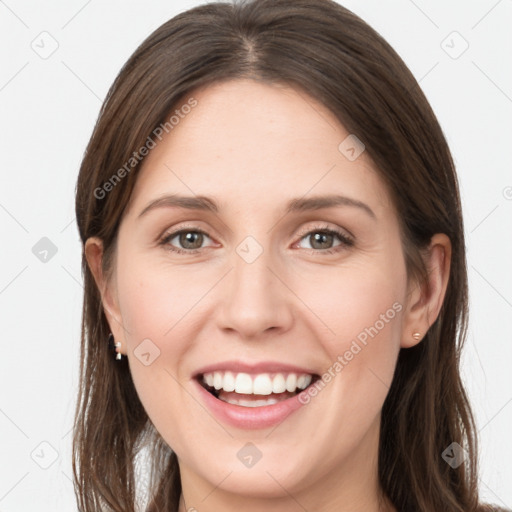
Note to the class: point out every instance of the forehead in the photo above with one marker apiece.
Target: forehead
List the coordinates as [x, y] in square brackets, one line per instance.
[254, 141]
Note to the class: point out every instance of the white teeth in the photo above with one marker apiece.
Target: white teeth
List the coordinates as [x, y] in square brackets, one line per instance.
[261, 384]
[279, 384]
[217, 380]
[251, 403]
[229, 382]
[304, 381]
[291, 382]
[243, 384]
[208, 378]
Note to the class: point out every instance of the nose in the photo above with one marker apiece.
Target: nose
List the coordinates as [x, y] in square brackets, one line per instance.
[255, 299]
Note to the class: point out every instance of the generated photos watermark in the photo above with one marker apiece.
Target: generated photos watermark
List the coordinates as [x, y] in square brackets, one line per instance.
[355, 348]
[137, 156]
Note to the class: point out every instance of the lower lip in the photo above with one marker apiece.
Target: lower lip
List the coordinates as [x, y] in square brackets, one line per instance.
[249, 417]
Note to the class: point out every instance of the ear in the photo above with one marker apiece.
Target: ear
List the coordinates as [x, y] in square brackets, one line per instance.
[425, 299]
[107, 289]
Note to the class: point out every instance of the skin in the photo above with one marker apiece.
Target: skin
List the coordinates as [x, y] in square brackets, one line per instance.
[253, 147]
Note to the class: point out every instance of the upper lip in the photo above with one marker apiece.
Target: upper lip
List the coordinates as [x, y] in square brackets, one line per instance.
[253, 368]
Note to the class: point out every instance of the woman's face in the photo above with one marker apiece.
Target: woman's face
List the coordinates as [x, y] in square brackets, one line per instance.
[260, 286]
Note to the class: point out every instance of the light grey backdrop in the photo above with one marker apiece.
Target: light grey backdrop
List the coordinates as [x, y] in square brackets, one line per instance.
[58, 59]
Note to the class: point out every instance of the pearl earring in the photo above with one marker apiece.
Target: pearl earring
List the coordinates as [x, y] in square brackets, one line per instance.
[113, 345]
[119, 355]
[416, 336]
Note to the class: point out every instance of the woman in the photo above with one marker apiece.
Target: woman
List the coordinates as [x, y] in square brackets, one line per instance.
[273, 243]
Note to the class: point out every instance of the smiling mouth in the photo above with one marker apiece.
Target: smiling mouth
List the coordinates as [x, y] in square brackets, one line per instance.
[259, 390]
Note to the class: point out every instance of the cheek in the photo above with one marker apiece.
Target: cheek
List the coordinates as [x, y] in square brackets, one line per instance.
[356, 302]
[154, 306]
[369, 316]
[361, 307]
[155, 299]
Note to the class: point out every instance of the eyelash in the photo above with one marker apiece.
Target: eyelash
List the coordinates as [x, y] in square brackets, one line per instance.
[345, 240]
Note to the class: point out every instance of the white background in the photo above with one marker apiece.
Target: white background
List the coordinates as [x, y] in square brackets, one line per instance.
[48, 109]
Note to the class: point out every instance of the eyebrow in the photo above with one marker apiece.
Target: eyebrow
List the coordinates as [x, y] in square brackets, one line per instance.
[204, 203]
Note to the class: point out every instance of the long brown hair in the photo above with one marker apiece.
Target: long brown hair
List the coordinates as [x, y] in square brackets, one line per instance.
[327, 52]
